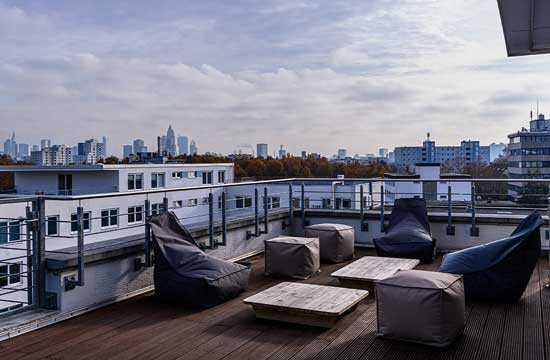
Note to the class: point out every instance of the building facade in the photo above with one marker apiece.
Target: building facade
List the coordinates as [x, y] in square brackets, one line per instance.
[261, 150]
[183, 145]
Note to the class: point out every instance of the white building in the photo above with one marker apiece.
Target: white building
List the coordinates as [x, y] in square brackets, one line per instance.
[427, 183]
[53, 155]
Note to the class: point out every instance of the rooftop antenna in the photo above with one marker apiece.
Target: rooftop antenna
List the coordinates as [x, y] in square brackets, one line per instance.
[531, 112]
[428, 134]
[538, 109]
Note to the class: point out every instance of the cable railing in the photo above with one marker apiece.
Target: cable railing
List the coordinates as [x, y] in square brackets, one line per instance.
[87, 219]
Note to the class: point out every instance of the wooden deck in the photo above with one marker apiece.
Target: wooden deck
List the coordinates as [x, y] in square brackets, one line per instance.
[142, 328]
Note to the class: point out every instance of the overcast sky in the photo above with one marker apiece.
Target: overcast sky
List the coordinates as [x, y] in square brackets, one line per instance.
[313, 75]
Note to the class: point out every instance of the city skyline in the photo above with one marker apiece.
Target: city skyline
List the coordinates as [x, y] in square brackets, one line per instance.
[342, 78]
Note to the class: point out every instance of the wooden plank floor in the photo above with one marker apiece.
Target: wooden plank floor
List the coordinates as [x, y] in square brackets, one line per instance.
[142, 328]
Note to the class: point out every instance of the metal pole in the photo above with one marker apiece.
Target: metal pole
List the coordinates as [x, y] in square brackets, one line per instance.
[256, 214]
[224, 220]
[361, 201]
[266, 212]
[30, 238]
[450, 227]
[147, 233]
[303, 196]
[211, 220]
[547, 285]
[80, 229]
[382, 200]
[290, 205]
[39, 249]
[164, 204]
[371, 202]
[474, 231]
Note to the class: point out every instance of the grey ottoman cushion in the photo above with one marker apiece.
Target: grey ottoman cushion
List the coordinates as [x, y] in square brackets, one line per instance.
[421, 306]
[336, 241]
[291, 257]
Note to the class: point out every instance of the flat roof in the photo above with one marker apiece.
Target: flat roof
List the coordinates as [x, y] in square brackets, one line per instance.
[101, 167]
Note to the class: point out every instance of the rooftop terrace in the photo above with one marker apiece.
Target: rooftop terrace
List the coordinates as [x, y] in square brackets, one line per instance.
[143, 328]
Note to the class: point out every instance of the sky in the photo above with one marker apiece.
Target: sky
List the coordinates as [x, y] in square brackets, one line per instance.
[312, 75]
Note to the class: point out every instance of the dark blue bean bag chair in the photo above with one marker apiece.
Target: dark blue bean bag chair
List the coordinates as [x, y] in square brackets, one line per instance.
[186, 275]
[408, 233]
[500, 270]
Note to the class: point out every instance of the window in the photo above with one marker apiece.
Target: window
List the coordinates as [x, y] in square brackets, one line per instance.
[157, 209]
[177, 175]
[65, 184]
[326, 203]
[243, 202]
[220, 202]
[296, 202]
[109, 218]
[135, 181]
[10, 274]
[52, 227]
[10, 231]
[193, 202]
[205, 200]
[157, 180]
[191, 174]
[221, 176]
[273, 202]
[346, 203]
[87, 224]
[177, 203]
[135, 214]
[207, 177]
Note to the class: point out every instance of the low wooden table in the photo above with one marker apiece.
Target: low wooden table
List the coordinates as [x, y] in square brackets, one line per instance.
[305, 304]
[364, 272]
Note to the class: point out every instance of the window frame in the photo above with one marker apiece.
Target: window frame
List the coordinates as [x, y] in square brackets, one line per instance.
[155, 177]
[133, 211]
[48, 221]
[221, 176]
[135, 181]
[207, 177]
[110, 216]
[75, 221]
[7, 276]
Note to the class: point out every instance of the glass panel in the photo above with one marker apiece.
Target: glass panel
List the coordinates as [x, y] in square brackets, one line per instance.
[87, 216]
[131, 184]
[114, 217]
[3, 232]
[139, 181]
[15, 277]
[104, 218]
[74, 226]
[52, 225]
[15, 231]
[3, 275]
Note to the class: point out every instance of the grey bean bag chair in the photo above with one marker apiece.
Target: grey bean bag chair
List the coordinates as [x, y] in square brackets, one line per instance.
[500, 270]
[408, 234]
[336, 241]
[185, 274]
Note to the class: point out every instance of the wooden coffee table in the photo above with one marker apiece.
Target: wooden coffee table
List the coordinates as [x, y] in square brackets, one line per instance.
[305, 304]
[364, 272]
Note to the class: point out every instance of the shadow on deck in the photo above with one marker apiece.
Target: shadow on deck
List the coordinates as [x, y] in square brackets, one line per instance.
[142, 328]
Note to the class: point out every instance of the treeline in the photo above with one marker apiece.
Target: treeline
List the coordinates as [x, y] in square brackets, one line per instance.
[295, 167]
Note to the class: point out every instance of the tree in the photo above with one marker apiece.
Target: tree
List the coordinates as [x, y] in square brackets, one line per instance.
[6, 179]
[112, 160]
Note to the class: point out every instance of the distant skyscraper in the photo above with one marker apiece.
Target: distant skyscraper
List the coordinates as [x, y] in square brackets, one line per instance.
[139, 144]
[126, 151]
[183, 145]
[193, 148]
[45, 143]
[304, 155]
[282, 152]
[10, 147]
[342, 154]
[35, 148]
[105, 146]
[90, 151]
[170, 142]
[23, 151]
[261, 150]
[383, 152]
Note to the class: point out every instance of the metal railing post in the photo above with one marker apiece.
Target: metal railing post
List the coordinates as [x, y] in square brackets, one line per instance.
[147, 233]
[266, 212]
[39, 252]
[164, 204]
[382, 201]
[290, 205]
[371, 202]
[80, 229]
[303, 204]
[364, 226]
[211, 220]
[224, 220]
[450, 227]
[256, 213]
[547, 285]
[474, 230]
[29, 228]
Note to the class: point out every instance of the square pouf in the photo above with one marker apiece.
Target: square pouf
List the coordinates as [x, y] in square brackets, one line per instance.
[291, 257]
[336, 241]
[421, 306]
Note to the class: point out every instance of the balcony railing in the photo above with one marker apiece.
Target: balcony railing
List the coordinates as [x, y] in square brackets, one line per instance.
[42, 225]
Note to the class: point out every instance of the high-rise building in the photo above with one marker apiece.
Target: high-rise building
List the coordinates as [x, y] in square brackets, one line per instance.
[23, 151]
[304, 155]
[383, 152]
[139, 144]
[183, 145]
[342, 154]
[10, 147]
[105, 146]
[193, 148]
[90, 151]
[45, 143]
[261, 150]
[170, 142]
[52, 155]
[282, 152]
[529, 154]
[35, 148]
[126, 151]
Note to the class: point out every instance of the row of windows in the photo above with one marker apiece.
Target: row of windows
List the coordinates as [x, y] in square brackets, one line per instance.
[530, 151]
[242, 202]
[10, 274]
[158, 180]
[529, 164]
[526, 139]
[10, 231]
